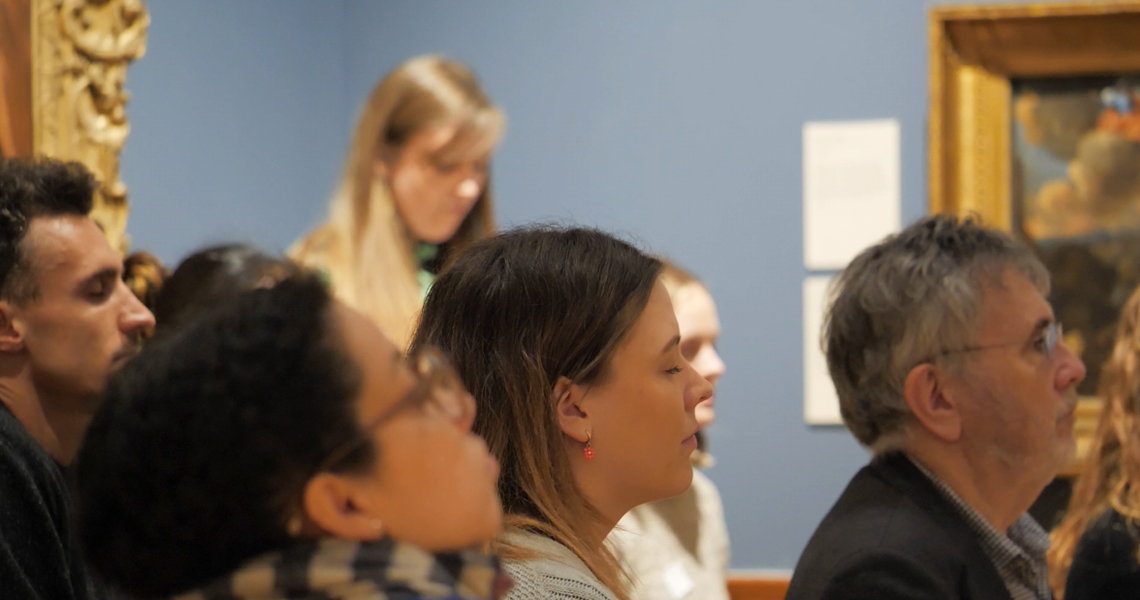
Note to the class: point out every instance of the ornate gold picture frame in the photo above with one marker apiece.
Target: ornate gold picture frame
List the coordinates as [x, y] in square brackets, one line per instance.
[80, 51]
[976, 55]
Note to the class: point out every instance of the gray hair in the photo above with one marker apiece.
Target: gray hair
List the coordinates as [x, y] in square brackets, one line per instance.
[905, 301]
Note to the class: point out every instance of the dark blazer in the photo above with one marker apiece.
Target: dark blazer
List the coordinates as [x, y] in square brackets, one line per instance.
[893, 536]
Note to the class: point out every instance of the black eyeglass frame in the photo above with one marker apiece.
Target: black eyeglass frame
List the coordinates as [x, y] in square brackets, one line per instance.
[1054, 332]
[434, 371]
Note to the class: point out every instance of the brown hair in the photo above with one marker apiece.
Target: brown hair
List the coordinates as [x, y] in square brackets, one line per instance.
[517, 312]
[364, 246]
[1110, 477]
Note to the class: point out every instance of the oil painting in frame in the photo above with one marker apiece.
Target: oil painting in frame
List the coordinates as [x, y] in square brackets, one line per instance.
[994, 71]
[63, 65]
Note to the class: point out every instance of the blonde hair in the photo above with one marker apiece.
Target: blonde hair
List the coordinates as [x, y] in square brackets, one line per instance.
[364, 247]
[1110, 477]
[675, 279]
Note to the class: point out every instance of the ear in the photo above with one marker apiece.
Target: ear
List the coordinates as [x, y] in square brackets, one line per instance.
[385, 160]
[380, 169]
[572, 418]
[331, 503]
[933, 407]
[11, 329]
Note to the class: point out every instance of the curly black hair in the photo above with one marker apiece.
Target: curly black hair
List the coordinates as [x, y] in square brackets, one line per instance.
[30, 188]
[200, 453]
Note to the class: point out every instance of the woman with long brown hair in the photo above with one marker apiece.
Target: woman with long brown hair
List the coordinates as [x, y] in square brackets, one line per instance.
[1095, 551]
[678, 547]
[416, 189]
[570, 346]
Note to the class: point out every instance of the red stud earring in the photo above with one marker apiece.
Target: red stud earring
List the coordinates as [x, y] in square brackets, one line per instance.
[588, 450]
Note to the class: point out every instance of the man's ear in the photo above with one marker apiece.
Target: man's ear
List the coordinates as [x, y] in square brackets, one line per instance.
[332, 503]
[572, 419]
[11, 329]
[931, 402]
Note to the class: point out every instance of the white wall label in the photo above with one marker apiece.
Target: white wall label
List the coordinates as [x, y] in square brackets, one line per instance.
[851, 189]
[821, 404]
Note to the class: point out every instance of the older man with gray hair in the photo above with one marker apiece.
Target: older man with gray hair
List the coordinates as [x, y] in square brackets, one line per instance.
[950, 368]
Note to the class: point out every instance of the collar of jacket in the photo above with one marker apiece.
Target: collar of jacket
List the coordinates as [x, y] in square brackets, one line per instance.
[981, 576]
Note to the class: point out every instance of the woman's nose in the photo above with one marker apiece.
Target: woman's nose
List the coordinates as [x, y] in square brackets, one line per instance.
[468, 189]
[709, 364]
[700, 391]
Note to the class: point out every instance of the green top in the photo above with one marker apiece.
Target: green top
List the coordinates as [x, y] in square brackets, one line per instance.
[423, 253]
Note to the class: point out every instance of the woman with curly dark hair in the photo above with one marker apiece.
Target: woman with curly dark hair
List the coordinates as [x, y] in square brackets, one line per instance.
[281, 447]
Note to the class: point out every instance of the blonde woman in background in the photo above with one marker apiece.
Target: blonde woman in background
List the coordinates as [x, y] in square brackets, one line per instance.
[1095, 551]
[678, 547]
[416, 190]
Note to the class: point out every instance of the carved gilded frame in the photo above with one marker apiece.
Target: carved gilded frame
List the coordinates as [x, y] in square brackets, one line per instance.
[80, 53]
[974, 53]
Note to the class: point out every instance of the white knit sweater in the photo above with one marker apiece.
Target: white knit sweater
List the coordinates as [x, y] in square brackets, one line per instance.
[558, 574]
[677, 548]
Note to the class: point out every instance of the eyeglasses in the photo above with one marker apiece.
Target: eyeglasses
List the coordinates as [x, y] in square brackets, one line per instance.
[1051, 335]
[438, 391]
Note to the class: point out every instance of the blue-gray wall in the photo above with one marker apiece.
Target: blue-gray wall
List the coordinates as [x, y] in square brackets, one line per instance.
[677, 123]
[239, 114]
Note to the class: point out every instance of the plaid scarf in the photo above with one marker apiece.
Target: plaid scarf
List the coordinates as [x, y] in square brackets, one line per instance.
[342, 569]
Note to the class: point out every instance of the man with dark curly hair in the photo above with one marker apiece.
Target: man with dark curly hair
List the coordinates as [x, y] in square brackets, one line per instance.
[67, 321]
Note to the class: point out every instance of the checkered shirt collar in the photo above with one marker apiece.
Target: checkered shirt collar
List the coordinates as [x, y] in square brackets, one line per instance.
[1018, 555]
[347, 570]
